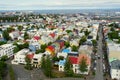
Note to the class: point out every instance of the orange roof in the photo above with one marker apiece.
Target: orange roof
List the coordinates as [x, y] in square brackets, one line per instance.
[81, 56]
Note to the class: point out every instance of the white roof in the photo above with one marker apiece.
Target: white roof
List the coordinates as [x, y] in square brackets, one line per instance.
[38, 55]
[5, 45]
[23, 52]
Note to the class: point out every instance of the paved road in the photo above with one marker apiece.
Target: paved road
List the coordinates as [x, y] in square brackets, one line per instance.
[99, 66]
[23, 74]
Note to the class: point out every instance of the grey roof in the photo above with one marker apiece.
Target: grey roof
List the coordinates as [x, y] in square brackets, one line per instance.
[115, 64]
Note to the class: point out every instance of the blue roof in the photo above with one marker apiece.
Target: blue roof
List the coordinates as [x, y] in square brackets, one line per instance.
[31, 47]
[1, 32]
[2, 39]
[66, 50]
[62, 62]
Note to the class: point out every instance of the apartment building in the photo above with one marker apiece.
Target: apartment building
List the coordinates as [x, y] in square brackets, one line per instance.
[6, 49]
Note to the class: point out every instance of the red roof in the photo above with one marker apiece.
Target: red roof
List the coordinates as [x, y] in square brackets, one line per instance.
[73, 60]
[36, 37]
[30, 56]
[51, 48]
[52, 35]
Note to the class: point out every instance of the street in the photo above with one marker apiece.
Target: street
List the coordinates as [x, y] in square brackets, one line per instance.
[99, 66]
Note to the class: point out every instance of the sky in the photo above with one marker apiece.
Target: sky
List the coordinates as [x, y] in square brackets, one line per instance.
[57, 4]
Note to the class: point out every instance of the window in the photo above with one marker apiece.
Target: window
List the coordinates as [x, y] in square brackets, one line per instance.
[60, 66]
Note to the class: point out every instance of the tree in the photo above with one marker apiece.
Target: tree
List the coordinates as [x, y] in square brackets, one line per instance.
[3, 67]
[68, 31]
[16, 49]
[83, 39]
[25, 45]
[43, 47]
[11, 72]
[55, 58]
[4, 58]
[68, 68]
[43, 63]
[26, 36]
[6, 35]
[2, 42]
[86, 33]
[74, 48]
[94, 42]
[10, 29]
[67, 44]
[48, 67]
[20, 28]
[83, 65]
[28, 65]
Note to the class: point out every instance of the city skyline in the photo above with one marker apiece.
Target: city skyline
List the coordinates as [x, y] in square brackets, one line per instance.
[55, 4]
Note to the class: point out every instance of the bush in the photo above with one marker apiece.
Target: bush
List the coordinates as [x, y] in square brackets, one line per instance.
[11, 73]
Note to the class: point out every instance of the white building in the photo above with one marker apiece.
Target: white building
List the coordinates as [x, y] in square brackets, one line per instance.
[36, 61]
[6, 49]
[115, 69]
[14, 35]
[19, 57]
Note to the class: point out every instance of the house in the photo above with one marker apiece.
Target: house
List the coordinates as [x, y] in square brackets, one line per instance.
[75, 61]
[86, 49]
[115, 69]
[6, 49]
[64, 53]
[19, 57]
[36, 38]
[61, 64]
[14, 35]
[34, 46]
[74, 42]
[36, 61]
[55, 47]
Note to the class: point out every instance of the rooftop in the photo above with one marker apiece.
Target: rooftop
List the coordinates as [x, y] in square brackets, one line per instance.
[115, 64]
[23, 52]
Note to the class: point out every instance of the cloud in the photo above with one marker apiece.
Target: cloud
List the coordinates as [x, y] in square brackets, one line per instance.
[41, 4]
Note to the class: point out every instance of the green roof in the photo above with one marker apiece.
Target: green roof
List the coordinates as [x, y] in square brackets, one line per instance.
[112, 59]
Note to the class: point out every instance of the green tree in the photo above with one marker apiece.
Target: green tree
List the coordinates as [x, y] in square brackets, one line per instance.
[25, 45]
[67, 44]
[26, 36]
[28, 65]
[10, 29]
[74, 48]
[86, 33]
[94, 42]
[2, 42]
[68, 31]
[11, 72]
[55, 58]
[16, 49]
[83, 65]
[4, 58]
[6, 35]
[48, 67]
[68, 68]
[20, 28]
[43, 63]
[43, 47]
[83, 39]
[3, 68]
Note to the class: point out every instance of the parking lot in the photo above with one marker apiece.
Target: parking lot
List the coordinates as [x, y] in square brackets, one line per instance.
[23, 74]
